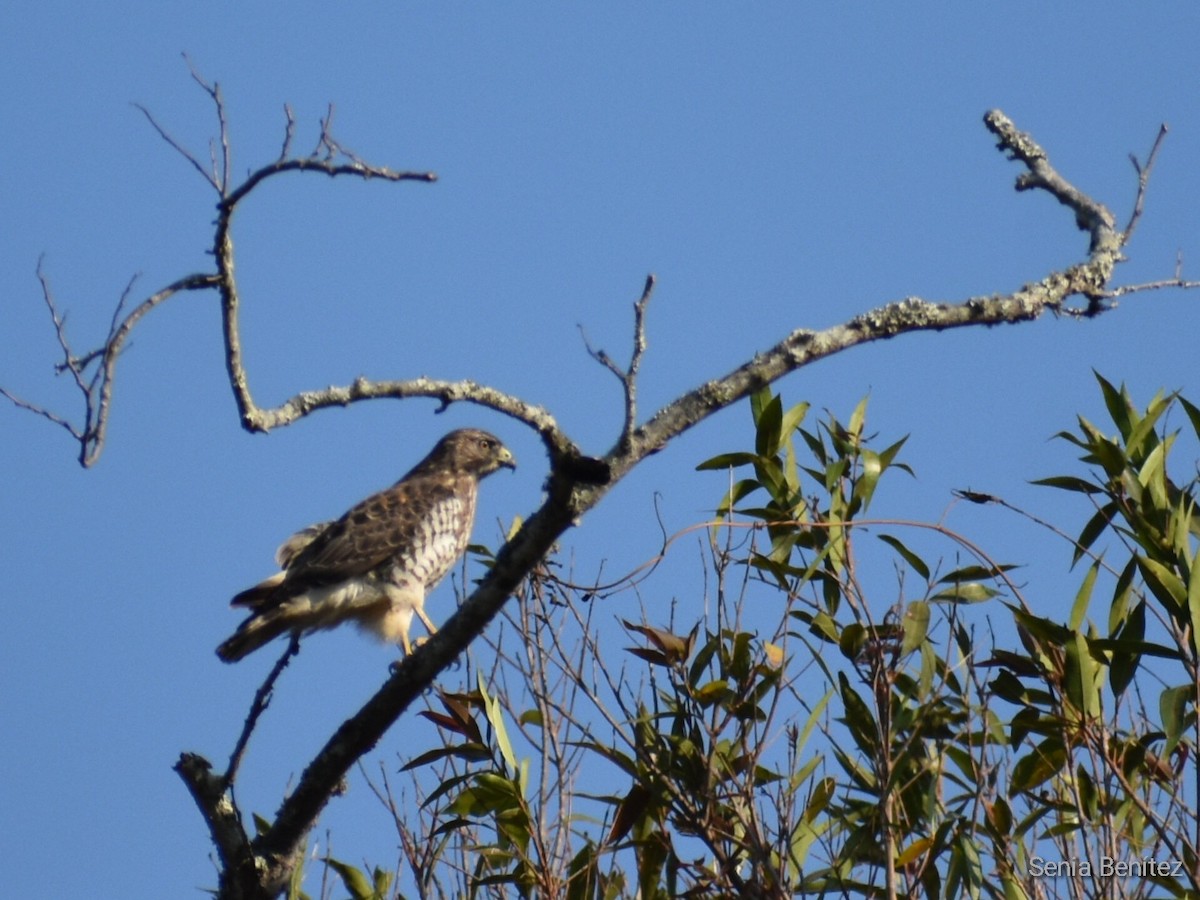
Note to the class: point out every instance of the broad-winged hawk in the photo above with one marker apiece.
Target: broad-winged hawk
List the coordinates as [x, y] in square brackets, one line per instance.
[375, 565]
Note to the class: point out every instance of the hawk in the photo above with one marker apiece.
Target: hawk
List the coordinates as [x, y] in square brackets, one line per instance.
[375, 565]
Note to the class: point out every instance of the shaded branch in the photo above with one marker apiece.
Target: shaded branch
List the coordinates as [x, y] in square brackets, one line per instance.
[239, 869]
[262, 699]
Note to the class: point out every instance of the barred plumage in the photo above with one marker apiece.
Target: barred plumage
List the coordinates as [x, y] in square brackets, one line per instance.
[376, 564]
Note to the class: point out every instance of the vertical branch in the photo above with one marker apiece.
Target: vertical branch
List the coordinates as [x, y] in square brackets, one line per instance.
[220, 172]
[1143, 174]
[628, 376]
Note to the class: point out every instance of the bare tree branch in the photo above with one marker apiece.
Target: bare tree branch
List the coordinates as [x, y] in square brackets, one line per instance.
[262, 699]
[209, 176]
[97, 392]
[240, 878]
[628, 376]
[1143, 173]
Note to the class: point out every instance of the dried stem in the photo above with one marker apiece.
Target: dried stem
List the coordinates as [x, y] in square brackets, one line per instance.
[628, 376]
[1143, 174]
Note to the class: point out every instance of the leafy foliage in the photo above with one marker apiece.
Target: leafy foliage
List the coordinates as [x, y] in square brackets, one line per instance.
[842, 745]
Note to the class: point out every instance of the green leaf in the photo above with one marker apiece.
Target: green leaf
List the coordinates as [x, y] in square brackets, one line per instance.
[852, 639]
[916, 626]
[736, 493]
[1146, 648]
[1083, 596]
[1069, 483]
[1172, 707]
[1193, 415]
[470, 752]
[1164, 584]
[858, 419]
[616, 757]
[1103, 449]
[1093, 529]
[769, 427]
[1193, 598]
[495, 717]
[974, 573]
[759, 400]
[813, 719]
[1124, 662]
[674, 647]
[382, 881]
[858, 718]
[1153, 476]
[1082, 677]
[970, 592]
[812, 824]
[583, 874]
[911, 558]
[356, 882]
[1120, 409]
[1143, 434]
[728, 461]
[1038, 766]
[792, 418]
[872, 468]
[999, 816]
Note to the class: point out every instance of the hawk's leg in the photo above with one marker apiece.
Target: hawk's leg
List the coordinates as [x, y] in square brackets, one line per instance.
[420, 611]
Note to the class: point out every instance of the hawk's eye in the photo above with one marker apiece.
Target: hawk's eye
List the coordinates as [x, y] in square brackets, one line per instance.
[485, 443]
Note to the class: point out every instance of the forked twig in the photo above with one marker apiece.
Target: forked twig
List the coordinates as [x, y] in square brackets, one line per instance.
[1143, 173]
[627, 376]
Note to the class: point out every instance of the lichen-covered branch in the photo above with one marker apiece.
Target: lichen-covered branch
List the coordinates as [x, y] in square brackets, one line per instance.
[241, 878]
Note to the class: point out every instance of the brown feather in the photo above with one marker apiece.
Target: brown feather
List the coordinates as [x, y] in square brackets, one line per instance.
[398, 543]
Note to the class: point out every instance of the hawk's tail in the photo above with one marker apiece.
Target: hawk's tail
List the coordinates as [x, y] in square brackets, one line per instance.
[254, 633]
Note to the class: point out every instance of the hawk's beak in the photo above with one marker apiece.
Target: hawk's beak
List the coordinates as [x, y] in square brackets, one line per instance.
[507, 459]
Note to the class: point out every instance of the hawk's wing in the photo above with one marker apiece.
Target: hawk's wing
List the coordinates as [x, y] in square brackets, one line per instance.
[379, 529]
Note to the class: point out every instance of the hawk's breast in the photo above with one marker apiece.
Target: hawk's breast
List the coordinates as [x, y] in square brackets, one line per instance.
[440, 538]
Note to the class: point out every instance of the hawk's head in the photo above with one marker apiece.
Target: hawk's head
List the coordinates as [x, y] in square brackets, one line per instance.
[472, 451]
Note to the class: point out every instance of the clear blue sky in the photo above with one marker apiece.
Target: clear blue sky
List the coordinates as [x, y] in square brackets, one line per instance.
[775, 165]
